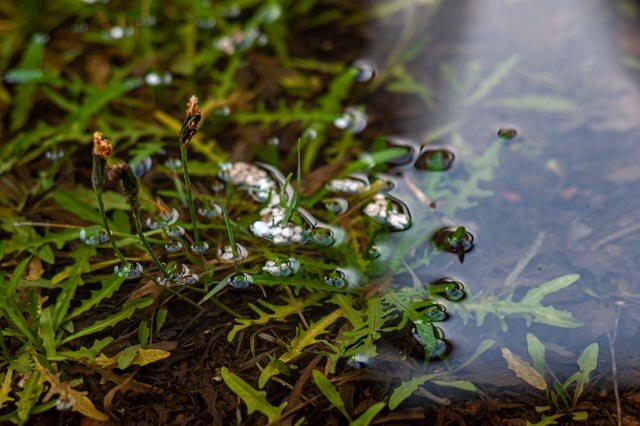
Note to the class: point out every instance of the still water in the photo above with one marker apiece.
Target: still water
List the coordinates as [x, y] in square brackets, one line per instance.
[537, 104]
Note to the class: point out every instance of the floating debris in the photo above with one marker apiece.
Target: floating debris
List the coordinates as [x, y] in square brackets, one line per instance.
[454, 240]
[284, 268]
[94, 236]
[384, 211]
[128, 270]
[226, 254]
[352, 120]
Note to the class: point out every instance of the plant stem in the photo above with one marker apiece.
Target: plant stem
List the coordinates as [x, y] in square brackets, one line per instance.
[136, 219]
[187, 182]
[103, 215]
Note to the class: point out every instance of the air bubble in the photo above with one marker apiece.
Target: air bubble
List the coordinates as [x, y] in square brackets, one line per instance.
[173, 163]
[241, 281]
[323, 237]
[128, 270]
[94, 236]
[507, 132]
[435, 160]
[336, 205]
[454, 240]
[336, 278]
[141, 167]
[164, 219]
[200, 248]
[54, 155]
[282, 268]
[273, 140]
[366, 70]
[225, 254]
[173, 246]
[352, 120]
[213, 211]
[436, 313]
[451, 290]
[175, 231]
[388, 212]
[179, 275]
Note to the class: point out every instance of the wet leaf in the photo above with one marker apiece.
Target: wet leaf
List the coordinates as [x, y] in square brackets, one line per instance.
[254, 399]
[330, 392]
[367, 417]
[133, 355]
[6, 388]
[536, 352]
[523, 369]
[458, 384]
[537, 103]
[28, 396]
[493, 80]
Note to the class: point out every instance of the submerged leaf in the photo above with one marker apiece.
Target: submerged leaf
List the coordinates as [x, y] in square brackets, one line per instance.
[330, 392]
[254, 399]
[523, 369]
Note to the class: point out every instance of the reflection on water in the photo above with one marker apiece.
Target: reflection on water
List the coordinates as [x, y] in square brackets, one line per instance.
[533, 100]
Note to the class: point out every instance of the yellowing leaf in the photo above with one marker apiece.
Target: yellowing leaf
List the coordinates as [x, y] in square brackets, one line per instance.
[143, 357]
[523, 369]
[35, 269]
[6, 388]
[78, 400]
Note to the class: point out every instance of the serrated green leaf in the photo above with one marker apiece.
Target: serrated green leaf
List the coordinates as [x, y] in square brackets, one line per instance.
[254, 399]
[107, 288]
[493, 80]
[330, 392]
[367, 417]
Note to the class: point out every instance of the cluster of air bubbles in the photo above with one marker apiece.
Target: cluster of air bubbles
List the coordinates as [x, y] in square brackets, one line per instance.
[142, 166]
[238, 41]
[349, 185]
[179, 275]
[336, 278]
[94, 236]
[385, 211]
[117, 33]
[164, 219]
[54, 155]
[172, 246]
[200, 248]
[352, 120]
[158, 79]
[275, 230]
[128, 270]
[241, 173]
[336, 205]
[435, 160]
[282, 268]
[226, 253]
[366, 70]
[173, 163]
[211, 211]
[451, 290]
[241, 281]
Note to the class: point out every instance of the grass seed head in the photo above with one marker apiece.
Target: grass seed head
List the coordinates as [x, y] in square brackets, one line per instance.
[101, 146]
[191, 121]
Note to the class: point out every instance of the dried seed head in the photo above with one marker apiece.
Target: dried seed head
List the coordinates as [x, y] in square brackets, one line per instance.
[191, 121]
[115, 173]
[101, 146]
[192, 106]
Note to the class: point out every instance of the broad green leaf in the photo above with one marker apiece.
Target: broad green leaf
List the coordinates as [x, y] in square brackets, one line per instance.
[46, 331]
[5, 389]
[536, 352]
[524, 370]
[161, 317]
[458, 384]
[367, 417]
[125, 358]
[330, 392]
[125, 313]
[254, 399]
[587, 362]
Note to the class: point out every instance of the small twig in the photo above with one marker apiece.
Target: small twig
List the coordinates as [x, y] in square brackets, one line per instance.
[618, 234]
[614, 368]
[524, 262]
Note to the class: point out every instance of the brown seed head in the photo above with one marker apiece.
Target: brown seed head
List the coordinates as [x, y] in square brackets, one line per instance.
[101, 146]
[114, 173]
[192, 106]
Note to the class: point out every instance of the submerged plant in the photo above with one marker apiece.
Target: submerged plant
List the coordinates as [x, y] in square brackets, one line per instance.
[187, 132]
[101, 151]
